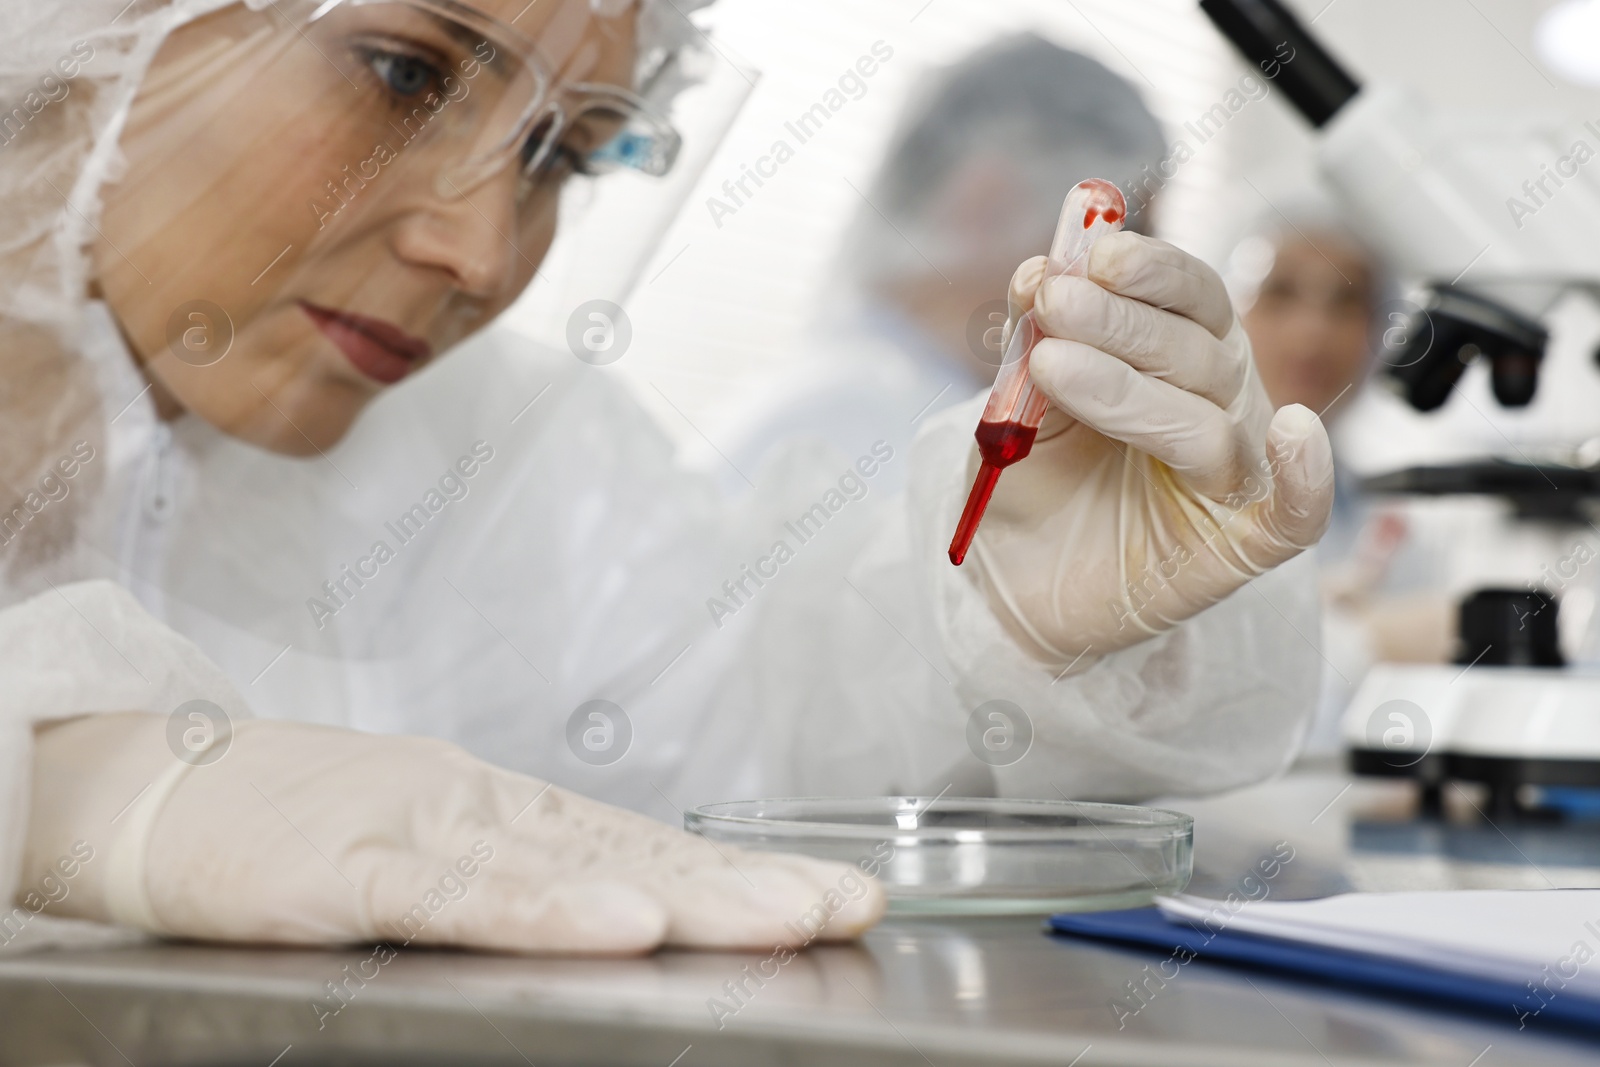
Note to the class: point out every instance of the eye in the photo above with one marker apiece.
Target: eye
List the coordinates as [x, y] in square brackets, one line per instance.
[569, 160]
[561, 160]
[403, 74]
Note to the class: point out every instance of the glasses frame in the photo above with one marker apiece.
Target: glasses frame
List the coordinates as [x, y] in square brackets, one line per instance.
[547, 99]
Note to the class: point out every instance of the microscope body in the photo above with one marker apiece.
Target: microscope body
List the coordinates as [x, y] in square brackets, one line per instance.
[1495, 216]
[1498, 218]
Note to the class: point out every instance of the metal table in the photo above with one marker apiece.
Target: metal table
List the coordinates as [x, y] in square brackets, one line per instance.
[947, 993]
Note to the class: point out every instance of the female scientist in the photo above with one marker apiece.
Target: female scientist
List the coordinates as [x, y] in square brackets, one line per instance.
[246, 247]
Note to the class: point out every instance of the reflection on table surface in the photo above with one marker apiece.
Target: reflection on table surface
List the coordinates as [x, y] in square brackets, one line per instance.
[1372, 835]
[927, 991]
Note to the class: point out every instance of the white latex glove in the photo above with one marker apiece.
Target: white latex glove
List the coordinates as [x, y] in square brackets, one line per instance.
[1164, 481]
[304, 834]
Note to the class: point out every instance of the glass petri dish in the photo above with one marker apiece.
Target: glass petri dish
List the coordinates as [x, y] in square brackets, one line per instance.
[974, 855]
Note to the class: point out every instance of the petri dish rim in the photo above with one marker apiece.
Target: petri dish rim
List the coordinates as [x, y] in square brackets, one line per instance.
[1125, 822]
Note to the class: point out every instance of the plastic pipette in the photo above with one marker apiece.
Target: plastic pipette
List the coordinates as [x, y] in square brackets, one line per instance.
[1011, 418]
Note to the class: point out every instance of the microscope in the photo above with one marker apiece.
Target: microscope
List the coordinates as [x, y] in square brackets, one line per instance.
[1495, 223]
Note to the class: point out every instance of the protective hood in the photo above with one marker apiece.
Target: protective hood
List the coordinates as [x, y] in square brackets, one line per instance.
[69, 76]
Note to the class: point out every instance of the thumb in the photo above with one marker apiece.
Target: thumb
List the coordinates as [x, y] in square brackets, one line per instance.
[1020, 293]
[1296, 515]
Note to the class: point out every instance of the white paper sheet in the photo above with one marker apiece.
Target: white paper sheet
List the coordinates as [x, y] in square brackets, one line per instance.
[1549, 937]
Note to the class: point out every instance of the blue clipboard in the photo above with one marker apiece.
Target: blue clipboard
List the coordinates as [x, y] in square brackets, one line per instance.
[1147, 928]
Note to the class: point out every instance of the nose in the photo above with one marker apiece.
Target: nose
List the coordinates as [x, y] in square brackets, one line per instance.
[469, 234]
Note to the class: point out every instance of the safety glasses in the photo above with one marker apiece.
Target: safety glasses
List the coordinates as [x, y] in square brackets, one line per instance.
[440, 81]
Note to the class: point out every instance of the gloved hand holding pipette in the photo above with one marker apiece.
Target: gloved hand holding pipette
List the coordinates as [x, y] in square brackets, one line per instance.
[1161, 455]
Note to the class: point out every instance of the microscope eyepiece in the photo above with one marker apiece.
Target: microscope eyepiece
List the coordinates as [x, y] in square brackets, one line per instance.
[1269, 35]
[1371, 156]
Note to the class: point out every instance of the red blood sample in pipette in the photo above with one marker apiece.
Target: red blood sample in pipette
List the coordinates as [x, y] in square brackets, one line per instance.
[1011, 418]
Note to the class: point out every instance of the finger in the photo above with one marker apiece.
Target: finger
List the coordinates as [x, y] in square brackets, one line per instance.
[765, 899]
[854, 902]
[1019, 296]
[1297, 513]
[1024, 283]
[1162, 276]
[552, 827]
[753, 903]
[713, 897]
[1185, 431]
[1159, 343]
[412, 900]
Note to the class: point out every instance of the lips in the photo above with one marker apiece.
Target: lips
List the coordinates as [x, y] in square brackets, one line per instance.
[380, 350]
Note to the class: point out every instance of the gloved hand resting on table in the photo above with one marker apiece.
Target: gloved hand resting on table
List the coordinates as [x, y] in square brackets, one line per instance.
[1163, 480]
[305, 835]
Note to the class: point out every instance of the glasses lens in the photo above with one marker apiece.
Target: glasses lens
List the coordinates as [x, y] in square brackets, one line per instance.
[643, 142]
[404, 81]
[598, 129]
[431, 84]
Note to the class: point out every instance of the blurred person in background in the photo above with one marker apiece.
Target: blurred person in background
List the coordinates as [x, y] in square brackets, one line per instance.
[971, 184]
[1309, 291]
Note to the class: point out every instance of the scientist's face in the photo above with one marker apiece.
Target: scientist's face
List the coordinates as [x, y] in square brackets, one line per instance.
[1310, 321]
[305, 218]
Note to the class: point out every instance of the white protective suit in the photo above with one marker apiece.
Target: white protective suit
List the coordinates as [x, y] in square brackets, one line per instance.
[541, 550]
[871, 374]
[580, 563]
